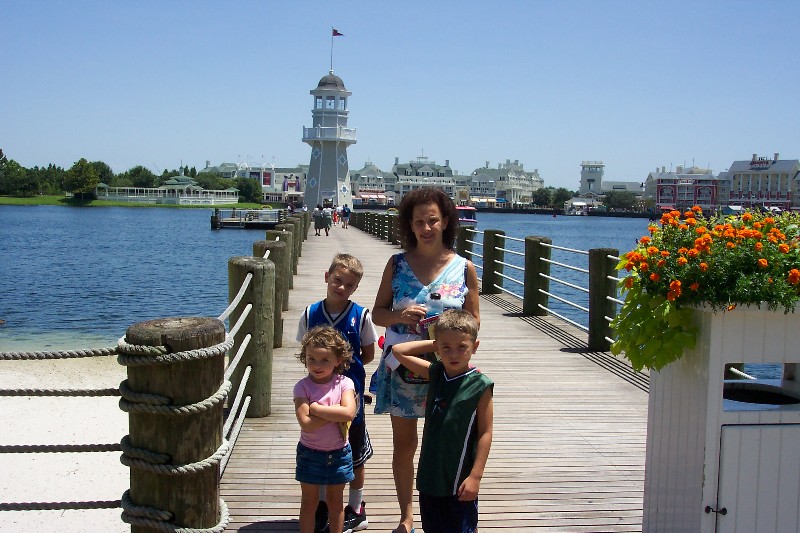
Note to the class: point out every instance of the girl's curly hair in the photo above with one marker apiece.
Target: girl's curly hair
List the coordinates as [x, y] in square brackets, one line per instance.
[330, 339]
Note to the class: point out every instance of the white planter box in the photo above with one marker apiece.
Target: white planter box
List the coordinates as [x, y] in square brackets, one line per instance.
[707, 452]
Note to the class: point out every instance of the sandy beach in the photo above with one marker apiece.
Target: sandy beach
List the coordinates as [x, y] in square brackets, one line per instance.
[47, 420]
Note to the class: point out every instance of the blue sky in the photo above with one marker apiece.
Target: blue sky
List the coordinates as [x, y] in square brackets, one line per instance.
[637, 85]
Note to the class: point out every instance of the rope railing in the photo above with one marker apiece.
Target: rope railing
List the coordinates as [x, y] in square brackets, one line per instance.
[136, 355]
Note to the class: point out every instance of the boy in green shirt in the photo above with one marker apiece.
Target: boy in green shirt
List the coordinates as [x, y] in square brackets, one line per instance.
[458, 424]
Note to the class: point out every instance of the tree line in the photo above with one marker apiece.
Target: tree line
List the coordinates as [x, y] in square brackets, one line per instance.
[82, 178]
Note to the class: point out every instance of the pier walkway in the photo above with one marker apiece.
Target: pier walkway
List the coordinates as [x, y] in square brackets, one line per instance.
[569, 430]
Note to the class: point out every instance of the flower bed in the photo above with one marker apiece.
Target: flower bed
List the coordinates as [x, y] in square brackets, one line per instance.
[690, 260]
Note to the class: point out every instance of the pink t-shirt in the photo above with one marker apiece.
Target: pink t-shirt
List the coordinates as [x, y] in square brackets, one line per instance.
[329, 436]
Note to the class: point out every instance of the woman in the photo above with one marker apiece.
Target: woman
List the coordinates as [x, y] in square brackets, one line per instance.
[319, 221]
[427, 222]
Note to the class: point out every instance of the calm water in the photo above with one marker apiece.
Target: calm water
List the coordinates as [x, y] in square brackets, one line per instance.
[72, 273]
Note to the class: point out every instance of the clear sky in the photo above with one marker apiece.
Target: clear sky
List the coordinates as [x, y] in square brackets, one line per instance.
[635, 84]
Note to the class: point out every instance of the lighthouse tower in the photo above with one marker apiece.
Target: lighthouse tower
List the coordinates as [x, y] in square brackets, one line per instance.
[328, 179]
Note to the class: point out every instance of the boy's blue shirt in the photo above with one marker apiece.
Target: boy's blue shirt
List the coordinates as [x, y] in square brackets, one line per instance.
[349, 323]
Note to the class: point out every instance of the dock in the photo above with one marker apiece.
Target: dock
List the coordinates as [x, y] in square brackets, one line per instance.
[247, 218]
[568, 450]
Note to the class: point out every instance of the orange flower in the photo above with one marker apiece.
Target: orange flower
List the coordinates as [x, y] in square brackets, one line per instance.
[652, 250]
[769, 220]
[759, 246]
[628, 282]
[672, 296]
[747, 217]
[655, 277]
[628, 266]
[682, 261]
[644, 240]
[763, 263]
[794, 276]
[703, 267]
[783, 248]
[661, 263]
[652, 229]
[691, 221]
[730, 246]
[694, 252]
[700, 230]
[697, 209]
[644, 267]
[683, 250]
[694, 286]
[664, 253]
[675, 285]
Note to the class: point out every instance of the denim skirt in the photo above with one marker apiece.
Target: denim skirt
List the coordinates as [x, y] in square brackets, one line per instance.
[318, 467]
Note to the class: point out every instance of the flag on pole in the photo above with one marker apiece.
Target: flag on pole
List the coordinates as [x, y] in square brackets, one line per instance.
[336, 33]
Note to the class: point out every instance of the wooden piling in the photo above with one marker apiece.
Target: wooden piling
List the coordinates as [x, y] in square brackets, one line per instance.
[279, 257]
[492, 240]
[192, 498]
[534, 300]
[289, 228]
[283, 275]
[601, 287]
[259, 323]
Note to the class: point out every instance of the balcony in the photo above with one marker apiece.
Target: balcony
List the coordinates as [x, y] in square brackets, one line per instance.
[332, 133]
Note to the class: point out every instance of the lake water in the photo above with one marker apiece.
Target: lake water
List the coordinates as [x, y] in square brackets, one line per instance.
[88, 273]
[75, 278]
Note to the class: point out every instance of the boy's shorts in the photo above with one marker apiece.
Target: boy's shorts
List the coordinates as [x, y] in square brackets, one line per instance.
[360, 444]
[445, 514]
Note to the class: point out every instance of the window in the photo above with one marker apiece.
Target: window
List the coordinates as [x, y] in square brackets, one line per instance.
[330, 102]
[318, 102]
[342, 103]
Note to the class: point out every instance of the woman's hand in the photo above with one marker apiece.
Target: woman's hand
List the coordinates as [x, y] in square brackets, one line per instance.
[412, 314]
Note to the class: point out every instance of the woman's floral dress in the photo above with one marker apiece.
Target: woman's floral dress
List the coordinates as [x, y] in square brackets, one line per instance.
[395, 394]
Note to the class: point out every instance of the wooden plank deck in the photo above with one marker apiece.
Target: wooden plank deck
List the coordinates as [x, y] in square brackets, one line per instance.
[569, 435]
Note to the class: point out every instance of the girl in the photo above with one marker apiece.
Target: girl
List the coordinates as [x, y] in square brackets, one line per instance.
[325, 404]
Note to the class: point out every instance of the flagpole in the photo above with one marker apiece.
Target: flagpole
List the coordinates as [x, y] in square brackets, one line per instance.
[332, 48]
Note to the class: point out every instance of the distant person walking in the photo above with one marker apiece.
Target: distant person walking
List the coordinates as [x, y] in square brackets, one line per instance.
[327, 215]
[345, 216]
[319, 219]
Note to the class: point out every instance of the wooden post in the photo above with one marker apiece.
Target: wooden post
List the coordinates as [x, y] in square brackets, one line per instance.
[259, 323]
[394, 235]
[283, 274]
[192, 498]
[279, 257]
[533, 297]
[289, 228]
[600, 289]
[491, 258]
[464, 248]
[298, 234]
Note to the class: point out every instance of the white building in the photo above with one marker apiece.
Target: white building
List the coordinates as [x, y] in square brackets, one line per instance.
[685, 187]
[764, 182]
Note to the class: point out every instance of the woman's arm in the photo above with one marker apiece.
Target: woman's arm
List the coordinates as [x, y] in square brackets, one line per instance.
[472, 299]
[344, 412]
[468, 490]
[308, 422]
[407, 352]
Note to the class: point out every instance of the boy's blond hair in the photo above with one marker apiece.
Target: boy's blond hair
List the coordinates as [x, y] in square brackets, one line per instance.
[458, 320]
[347, 262]
[330, 339]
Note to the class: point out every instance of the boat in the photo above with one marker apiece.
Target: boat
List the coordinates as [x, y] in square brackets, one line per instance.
[466, 215]
[247, 218]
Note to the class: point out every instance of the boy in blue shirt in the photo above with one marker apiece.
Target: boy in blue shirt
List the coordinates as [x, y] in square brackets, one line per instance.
[459, 419]
[354, 322]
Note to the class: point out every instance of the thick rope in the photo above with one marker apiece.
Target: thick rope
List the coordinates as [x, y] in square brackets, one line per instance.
[142, 397]
[59, 448]
[59, 392]
[236, 299]
[129, 516]
[60, 354]
[142, 453]
[131, 354]
[178, 470]
[178, 410]
[59, 506]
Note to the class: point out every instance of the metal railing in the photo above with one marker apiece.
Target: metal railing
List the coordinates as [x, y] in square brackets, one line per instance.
[526, 269]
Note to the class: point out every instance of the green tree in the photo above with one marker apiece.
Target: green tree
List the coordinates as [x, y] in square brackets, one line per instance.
[560, 196]
[212, 181]
[193, 173]
[249, 190]
[81, 179]
[140, 176]
[541, 197]
[104, 172]
[16, 180]
[620, 200]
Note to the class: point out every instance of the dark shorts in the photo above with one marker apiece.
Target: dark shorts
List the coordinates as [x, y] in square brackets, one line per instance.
[360, 444]
[317, 467]
[445, 514]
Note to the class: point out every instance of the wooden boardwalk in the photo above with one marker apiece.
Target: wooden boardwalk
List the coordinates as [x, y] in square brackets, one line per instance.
[569, 435]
